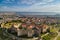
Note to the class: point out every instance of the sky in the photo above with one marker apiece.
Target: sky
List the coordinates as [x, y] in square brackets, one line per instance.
[30, 5]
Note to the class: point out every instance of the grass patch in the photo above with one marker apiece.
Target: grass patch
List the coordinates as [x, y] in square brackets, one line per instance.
[58, 38]
[50, 36]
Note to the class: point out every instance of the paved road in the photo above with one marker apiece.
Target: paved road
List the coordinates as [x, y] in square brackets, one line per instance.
[57, 36]
[44, 34]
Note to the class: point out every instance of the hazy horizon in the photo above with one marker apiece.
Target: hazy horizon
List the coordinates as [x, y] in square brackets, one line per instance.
[33, 13]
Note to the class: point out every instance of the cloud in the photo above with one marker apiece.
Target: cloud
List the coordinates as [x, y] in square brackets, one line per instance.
[14, 8]
[35, 6]
[47, 8]
[8, 1]
[35, 1]
[27, 2]
[48, 0]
